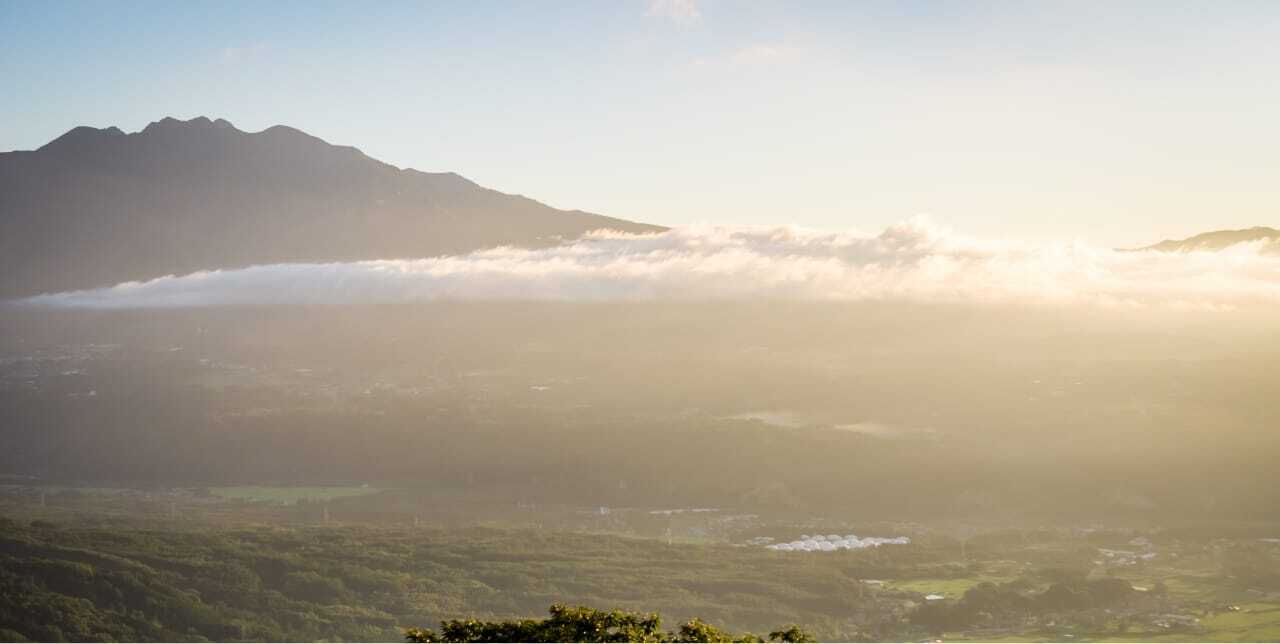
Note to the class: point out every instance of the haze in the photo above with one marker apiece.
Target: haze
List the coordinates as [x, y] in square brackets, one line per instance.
[655, 321]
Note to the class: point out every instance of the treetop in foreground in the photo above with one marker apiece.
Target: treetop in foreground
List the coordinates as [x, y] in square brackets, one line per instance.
[586, 624]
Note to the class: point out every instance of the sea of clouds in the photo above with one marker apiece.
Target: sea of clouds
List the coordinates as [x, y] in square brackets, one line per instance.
[912, 261]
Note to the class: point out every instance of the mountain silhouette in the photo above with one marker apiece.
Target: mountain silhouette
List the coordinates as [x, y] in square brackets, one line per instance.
[1221, 239]
[96, 207]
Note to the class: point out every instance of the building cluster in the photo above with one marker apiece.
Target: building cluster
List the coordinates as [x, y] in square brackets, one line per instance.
[833, 542]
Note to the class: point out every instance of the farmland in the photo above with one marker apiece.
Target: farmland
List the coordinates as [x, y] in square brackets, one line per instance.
[264, 563]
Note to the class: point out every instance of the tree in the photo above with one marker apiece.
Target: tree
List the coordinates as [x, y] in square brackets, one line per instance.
[586, 624]
[792, 633]
[696, 630]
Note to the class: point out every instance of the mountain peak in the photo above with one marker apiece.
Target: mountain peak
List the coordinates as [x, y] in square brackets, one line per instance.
[284, 131]
[80, 136]
[169, 123]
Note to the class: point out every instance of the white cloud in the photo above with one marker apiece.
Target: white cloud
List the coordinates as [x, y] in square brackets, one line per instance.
[682, 12]
[913, 261]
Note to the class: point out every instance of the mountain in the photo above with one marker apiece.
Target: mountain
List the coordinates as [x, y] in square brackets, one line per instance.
[97, 207]
[1220, 239]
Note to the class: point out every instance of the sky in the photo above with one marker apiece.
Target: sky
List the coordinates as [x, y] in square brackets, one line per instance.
[1118, 123]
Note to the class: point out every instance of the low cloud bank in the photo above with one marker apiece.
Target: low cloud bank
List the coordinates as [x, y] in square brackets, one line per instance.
[913, 261]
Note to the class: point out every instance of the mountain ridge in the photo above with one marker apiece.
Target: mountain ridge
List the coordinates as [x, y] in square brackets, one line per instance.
[1216, 240]
[99, 206]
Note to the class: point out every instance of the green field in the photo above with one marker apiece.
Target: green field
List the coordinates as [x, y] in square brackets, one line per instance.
[289, 495]
[1258, 622]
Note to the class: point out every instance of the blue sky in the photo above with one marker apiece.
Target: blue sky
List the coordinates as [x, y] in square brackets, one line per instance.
[1113, 122]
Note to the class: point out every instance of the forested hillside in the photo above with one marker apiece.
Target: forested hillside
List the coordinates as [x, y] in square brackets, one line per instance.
[125, 571]
[302, 584]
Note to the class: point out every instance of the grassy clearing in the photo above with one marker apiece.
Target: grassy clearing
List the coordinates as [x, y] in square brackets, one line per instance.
[289, 495]
[1254, 623]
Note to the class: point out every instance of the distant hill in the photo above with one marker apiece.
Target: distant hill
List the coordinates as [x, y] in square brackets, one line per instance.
[1220, 239]
[96, 207]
